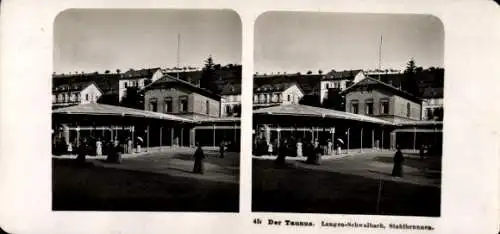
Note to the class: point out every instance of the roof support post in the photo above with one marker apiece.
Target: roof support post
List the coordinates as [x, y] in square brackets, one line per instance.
[182, 136]
[382, 140]
[213, 135]
[414, 138]
[361, 150]
[348, 139]
[147, 137]
[161, 135]
[171, 136]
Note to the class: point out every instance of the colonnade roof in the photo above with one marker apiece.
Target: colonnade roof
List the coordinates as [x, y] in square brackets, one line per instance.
[303, 110]
[110, 110]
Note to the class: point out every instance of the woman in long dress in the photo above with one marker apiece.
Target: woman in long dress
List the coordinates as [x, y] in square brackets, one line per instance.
[299, 148]
[198, 160]
[397, 170]
[282, 150]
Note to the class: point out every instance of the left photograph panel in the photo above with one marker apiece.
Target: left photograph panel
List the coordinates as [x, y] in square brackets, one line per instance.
[146, 110]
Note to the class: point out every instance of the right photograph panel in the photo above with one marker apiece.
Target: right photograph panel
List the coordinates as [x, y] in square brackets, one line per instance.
[348, 113]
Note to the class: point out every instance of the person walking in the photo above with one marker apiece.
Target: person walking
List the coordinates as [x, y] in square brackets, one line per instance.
[397, 170]
[82, 152]
[198, 159]
[221, 149]
[282, 150]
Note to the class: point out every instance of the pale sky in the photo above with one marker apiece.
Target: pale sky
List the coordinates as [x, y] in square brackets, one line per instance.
[99, 40]
[298, 42]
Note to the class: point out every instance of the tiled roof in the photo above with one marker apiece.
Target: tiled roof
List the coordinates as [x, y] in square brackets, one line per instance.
[108, 83]
[279, 87]
[102, 109]
[142, 73]
[303, 110]
[341, 75]
[170, 80]
[231, 89]
[78, 86]
[372, 81]
[431, 92]
[308, 83]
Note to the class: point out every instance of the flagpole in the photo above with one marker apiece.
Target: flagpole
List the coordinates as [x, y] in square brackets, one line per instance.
[178, 53]
[380, 57]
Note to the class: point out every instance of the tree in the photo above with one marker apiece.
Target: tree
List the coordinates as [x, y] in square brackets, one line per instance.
[133, 98]
[118, 71]
[334, 100]
[209, 76]
[320, 72]
[309, 72]
[107, 71]
[310, 100]
[109, 99]
[409, 82]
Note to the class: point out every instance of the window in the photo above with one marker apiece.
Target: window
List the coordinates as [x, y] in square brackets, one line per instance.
[408, 110]
[337, 85]
[369, 107]
[289, 97]
[255, 98]
[126, 84]
[207, 107]
[168, 105]
[327, 86]
[59, 98]
[262, 98]
[229, 110]
[384, 106]
[153, 105]
[354, 106]
[183, 104]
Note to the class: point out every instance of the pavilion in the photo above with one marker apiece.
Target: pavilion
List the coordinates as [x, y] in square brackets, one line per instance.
[305, 123]
[108, 122]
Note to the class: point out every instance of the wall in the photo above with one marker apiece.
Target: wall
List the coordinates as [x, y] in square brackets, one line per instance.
[229, 100]
[199, 105]
[161, 94]
[93, 93]
[397, 104]
[342, 84]
[196, 102]
[376, 96]
[400, 108]
[295, 95]
[123, 89]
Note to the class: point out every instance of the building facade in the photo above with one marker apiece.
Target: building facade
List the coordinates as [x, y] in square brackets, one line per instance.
[375, 98]
[277, 94]
[231, 100]
[433, 104]
[339, 80]
[174, 96]
[137, 78]
[75, 94]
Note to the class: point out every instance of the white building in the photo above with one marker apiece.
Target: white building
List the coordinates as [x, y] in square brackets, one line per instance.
[75, 94]
[137, 78]
[433, 104]
[277, 94]
[231, 100]
[339, 80]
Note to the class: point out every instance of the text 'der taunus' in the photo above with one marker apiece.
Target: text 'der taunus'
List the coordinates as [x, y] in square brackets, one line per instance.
[334, 224]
